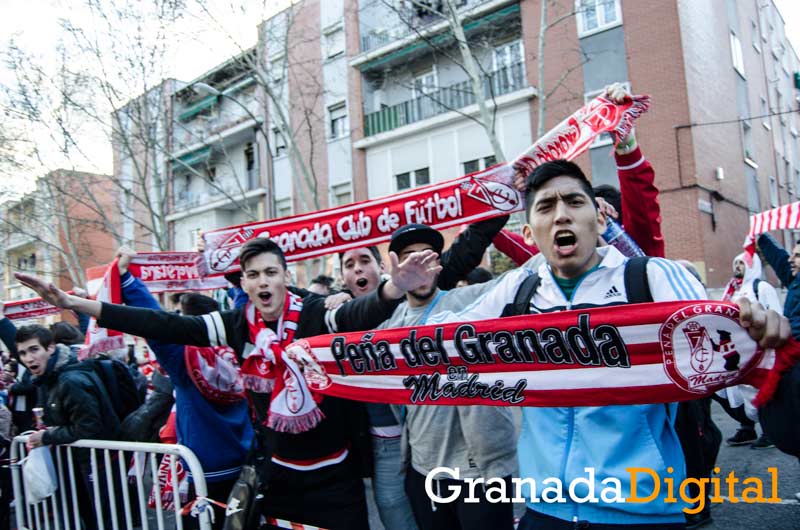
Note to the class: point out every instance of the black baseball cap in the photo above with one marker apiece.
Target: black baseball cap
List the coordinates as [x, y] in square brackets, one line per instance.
[416, 233]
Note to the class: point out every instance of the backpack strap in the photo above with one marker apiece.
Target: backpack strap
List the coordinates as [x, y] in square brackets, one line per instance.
[637, 286]
[522, 300]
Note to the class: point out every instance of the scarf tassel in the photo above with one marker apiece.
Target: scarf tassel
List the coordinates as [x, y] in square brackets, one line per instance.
[296, 423]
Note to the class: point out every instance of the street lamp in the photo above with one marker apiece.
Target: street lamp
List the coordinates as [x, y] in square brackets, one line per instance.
[204, 88]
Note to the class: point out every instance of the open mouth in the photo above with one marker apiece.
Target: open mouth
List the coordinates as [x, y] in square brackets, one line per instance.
[265, 297]
[33, 368]
[361, 282]
[565, 242]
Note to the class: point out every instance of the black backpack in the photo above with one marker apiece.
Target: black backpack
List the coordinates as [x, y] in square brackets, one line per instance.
[636, 286]
[118, 384]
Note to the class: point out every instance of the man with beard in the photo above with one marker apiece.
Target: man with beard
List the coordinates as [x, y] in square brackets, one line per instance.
[479, 440]
[311, 476]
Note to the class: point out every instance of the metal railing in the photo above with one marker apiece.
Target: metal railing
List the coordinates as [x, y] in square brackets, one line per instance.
[502, 81]
[61, 510]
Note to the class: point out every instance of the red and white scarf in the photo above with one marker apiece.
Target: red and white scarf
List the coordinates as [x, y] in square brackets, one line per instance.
[215, 373]
[29, 308]
[166, 480]
[102, 340]
[733, 286]
[630, 354]
[268, 369]
[474, 197]
[172, 271]
[786, 217]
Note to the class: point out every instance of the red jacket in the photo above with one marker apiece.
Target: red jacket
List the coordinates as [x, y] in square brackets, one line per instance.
[641, 213]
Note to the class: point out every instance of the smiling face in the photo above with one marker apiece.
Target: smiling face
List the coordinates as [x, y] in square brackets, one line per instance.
[264, 279]
[35, 356]
[361, 272]
[422, 294]
[565, 224]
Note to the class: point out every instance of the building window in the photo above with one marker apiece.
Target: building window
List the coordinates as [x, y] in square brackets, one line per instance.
[508, 54]
[597, 15]
[425, 83]
[765, 114]
[334, 43]
[754, 28]
[605, 138]
[753, 199]
[250, 166]
[479, 164]
[341, 194]
[412, 179]
[283, 207]
[338, 120]
[773, 191]
[736, 54]
[279, 142]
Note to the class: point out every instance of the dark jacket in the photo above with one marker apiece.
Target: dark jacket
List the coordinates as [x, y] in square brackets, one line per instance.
[467, 251]
[76, 405]
[778, 259]
[143, 424]
[780, 418]
[345, 421]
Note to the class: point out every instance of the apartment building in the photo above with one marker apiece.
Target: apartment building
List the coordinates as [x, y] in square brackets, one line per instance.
[56, 231]
[345, 100]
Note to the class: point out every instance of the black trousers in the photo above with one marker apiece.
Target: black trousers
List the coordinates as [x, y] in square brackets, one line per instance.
[539, 521]
[456, 515]
[331, 497]
[737, 413]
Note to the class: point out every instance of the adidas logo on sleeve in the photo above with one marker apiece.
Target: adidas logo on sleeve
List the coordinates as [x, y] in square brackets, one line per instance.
[612, 293]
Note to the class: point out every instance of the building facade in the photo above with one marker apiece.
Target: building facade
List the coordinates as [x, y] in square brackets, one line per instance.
[354, 99]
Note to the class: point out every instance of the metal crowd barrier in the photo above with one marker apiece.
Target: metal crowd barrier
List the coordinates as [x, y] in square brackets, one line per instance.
[54, 513]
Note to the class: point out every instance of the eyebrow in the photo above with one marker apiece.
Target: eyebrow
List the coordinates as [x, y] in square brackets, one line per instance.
[564, 196]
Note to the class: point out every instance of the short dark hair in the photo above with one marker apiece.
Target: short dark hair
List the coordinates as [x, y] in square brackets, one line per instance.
[611, 195]
[34, 331]
[322, 279]
[66, 333]
[197, 304]
[258, 246]
[550, 170]
[175, 298]
[478, 275]
[372, 249]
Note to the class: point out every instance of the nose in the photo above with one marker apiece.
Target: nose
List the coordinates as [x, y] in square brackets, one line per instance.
[561, 213]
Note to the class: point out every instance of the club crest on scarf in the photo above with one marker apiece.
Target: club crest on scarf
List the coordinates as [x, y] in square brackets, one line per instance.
[700, 350]
[268, 368]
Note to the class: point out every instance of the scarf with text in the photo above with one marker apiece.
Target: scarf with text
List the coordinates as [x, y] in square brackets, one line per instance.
[628, 354]
[160, 271]
[268, 369]
[29, 308]
[786, 217]
[474, 197]
[101, 340]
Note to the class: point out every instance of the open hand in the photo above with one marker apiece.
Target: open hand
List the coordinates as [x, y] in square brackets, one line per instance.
[47, 290]
[766, 327]
[416, 270]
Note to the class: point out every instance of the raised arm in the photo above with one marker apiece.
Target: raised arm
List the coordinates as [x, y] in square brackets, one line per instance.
[467, 250]
[777, 258]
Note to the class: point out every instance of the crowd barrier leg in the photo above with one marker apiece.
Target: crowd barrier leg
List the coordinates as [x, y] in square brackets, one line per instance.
[102, 485]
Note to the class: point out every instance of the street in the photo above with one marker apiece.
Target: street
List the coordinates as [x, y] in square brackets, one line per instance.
[746, 462]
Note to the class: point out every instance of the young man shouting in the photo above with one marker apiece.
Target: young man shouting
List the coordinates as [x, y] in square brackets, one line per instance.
[311, 477]
[564, 222]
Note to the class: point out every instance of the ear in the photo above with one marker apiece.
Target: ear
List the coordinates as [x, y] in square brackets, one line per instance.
[51, 348]
[601, 223]
[527, 235]
[287, 276]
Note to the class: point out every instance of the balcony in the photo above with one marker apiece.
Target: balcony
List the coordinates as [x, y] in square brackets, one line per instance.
[502, 81]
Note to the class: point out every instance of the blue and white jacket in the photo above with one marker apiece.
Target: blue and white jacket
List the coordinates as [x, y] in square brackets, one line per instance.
[561, 442]
[220, 435]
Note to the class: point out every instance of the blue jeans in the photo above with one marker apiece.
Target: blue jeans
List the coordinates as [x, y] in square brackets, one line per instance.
[388, 483]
